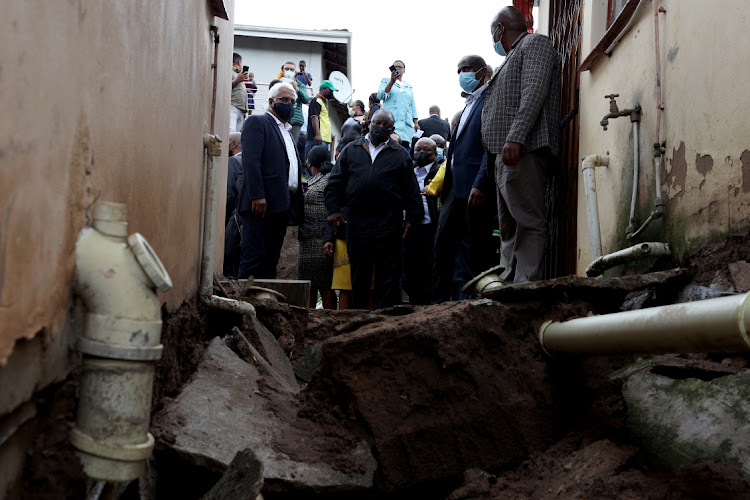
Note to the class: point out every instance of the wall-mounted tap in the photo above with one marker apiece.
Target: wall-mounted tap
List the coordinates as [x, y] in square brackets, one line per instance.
[614, 111]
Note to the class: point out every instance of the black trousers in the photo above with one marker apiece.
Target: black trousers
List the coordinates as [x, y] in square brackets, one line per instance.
[374, 242]
[418, 251]
[262, 239]
[458, 222]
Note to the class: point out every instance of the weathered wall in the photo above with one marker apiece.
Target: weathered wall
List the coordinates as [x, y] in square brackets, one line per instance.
[98, 100]
[706, 172]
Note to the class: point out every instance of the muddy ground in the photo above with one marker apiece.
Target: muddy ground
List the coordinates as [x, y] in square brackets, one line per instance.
[456, 401]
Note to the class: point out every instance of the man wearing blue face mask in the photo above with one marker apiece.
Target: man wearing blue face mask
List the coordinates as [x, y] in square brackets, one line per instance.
[466, 213]
[521, 131]
[271, 197]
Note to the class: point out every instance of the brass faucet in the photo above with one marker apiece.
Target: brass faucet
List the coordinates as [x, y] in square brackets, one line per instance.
[614, 111]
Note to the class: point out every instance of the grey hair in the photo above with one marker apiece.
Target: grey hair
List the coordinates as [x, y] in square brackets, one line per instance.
[274, 91]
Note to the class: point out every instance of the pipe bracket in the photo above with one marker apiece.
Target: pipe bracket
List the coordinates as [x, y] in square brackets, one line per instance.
[113, 351]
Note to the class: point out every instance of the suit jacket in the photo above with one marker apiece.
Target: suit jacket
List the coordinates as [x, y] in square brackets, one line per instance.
[432, 200]
[523, 98]
[234, 181]
[435, 125]
[467, 160]
[265, 168]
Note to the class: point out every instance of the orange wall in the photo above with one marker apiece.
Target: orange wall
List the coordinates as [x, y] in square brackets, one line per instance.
[106, 100]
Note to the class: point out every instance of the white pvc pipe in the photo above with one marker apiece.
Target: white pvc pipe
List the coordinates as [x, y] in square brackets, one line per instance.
[636, 171]
[592, 207]
[625, 255]
[712, 325]
[212, 143]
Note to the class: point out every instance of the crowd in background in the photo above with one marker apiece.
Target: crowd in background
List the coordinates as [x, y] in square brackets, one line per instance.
[412, 209]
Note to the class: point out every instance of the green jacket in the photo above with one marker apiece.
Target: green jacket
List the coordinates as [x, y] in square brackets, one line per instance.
[299, 118]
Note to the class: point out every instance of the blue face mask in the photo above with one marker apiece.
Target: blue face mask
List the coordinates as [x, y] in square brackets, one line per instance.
[439, 155]
[468, 81]
[499, 49]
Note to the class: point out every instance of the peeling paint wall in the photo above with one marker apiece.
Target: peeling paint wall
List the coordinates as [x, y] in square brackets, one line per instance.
[706, 170]
[99, 101]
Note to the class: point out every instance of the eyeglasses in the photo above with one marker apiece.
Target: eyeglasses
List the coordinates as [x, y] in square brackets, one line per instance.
[286, 100]
[288, 69]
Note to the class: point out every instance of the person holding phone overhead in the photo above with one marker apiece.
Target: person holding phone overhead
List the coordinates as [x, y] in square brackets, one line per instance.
[398, 98]
[238, 108]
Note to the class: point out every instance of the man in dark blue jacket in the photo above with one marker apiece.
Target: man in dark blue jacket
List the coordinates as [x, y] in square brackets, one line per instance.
[271, 195]
[466, 212]
[374, 180]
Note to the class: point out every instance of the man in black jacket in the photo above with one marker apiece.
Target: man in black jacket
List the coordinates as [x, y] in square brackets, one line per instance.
[433, 124]
[374, 179]
[418, 245]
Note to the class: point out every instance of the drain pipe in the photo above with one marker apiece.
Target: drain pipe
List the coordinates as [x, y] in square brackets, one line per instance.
[116, 276]
[212, 145]
[635, 118]
[592, 205]
[659, 209]
[711, 325]
[636, 252]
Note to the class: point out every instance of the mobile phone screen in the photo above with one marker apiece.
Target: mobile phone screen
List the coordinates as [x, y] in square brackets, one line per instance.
[392, 68]
[245, 69]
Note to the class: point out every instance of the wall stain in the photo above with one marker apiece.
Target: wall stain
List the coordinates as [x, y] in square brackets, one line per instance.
[672, 54]
[745, 159]
[675, 178]
[4, 242]
[703, 164]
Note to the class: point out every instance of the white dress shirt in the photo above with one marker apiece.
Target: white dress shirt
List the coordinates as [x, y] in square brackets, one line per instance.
[291, 153]
[421, 173]
[374, 150]
[471, 99]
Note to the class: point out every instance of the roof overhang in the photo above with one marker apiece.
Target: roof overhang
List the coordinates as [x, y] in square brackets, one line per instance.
[329, 36]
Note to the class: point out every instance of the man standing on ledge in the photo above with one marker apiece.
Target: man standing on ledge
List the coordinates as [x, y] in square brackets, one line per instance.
[374, 181]
[520, 128]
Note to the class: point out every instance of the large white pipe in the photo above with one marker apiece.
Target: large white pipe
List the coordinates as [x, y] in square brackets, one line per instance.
[636, 252]
[116, 279]
[592, 207]
[212, 143]
[712, 325]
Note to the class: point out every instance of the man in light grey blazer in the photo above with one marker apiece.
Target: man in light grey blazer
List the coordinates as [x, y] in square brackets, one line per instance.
[520, 128]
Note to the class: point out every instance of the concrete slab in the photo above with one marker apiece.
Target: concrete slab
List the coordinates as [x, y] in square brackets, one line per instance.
[229, 406]
[297, 292]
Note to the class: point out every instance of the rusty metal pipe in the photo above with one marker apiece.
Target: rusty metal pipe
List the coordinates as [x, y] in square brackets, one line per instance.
[712, 325]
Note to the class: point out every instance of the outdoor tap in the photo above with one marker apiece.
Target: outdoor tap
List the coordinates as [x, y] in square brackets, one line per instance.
[615, 112]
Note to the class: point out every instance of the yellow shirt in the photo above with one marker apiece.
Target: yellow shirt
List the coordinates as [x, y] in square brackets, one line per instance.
[436, 186]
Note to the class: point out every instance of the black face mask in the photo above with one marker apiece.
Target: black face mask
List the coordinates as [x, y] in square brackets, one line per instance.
[379, 134]
[423, 158]
[285, 111]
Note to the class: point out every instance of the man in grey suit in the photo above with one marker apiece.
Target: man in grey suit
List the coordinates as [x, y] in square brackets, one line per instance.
[520, 128]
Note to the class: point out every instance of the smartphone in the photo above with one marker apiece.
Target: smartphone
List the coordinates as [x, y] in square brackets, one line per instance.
[245, 69]
[392, 68]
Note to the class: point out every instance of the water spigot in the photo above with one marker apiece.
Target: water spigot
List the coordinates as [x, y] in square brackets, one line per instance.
[604, 123]
[612, 103]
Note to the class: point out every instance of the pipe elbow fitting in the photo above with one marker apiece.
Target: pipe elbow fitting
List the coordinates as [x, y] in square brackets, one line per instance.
[592, 161]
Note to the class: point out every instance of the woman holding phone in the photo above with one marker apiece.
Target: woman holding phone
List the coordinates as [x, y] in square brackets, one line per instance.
[398, 98]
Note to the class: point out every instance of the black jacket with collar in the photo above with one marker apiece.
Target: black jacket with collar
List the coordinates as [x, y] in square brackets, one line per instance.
[384, 187]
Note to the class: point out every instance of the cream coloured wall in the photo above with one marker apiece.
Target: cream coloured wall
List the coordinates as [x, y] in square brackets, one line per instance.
[706, 172]
[109, 101]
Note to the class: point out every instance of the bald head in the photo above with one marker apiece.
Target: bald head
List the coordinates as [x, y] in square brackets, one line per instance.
[512, 18]
[235, 143]
[434, 110]
[439, 141]
[425, 144]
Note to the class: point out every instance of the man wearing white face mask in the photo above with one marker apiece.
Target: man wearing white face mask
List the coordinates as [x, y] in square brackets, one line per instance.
[467, 212]
[287, 75]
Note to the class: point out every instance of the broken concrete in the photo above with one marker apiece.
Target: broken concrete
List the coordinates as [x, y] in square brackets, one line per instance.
[740, 272]
[228, 407]
[683, 420]
[243, 479]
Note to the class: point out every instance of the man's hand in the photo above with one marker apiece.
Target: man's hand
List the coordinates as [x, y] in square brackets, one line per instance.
[511, 154]
[405, 227]
[335, 220]
[328, 249]
[241, 77]
[259, 207]
[476, 198]
[318, 139]
[294, 83]
[416, 124]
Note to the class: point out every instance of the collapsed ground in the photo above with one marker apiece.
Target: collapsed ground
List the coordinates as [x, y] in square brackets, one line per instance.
[452, 401]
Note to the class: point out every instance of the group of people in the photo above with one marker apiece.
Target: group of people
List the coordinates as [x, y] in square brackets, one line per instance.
[409, 205]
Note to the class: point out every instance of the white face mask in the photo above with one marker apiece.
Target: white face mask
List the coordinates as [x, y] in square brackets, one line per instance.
[351, 112]
[288, 74]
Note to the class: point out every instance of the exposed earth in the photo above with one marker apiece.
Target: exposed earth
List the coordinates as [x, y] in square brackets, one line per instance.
[450, 401]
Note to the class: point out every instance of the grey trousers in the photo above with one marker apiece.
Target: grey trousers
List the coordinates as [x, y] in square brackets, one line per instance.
[522, 214]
